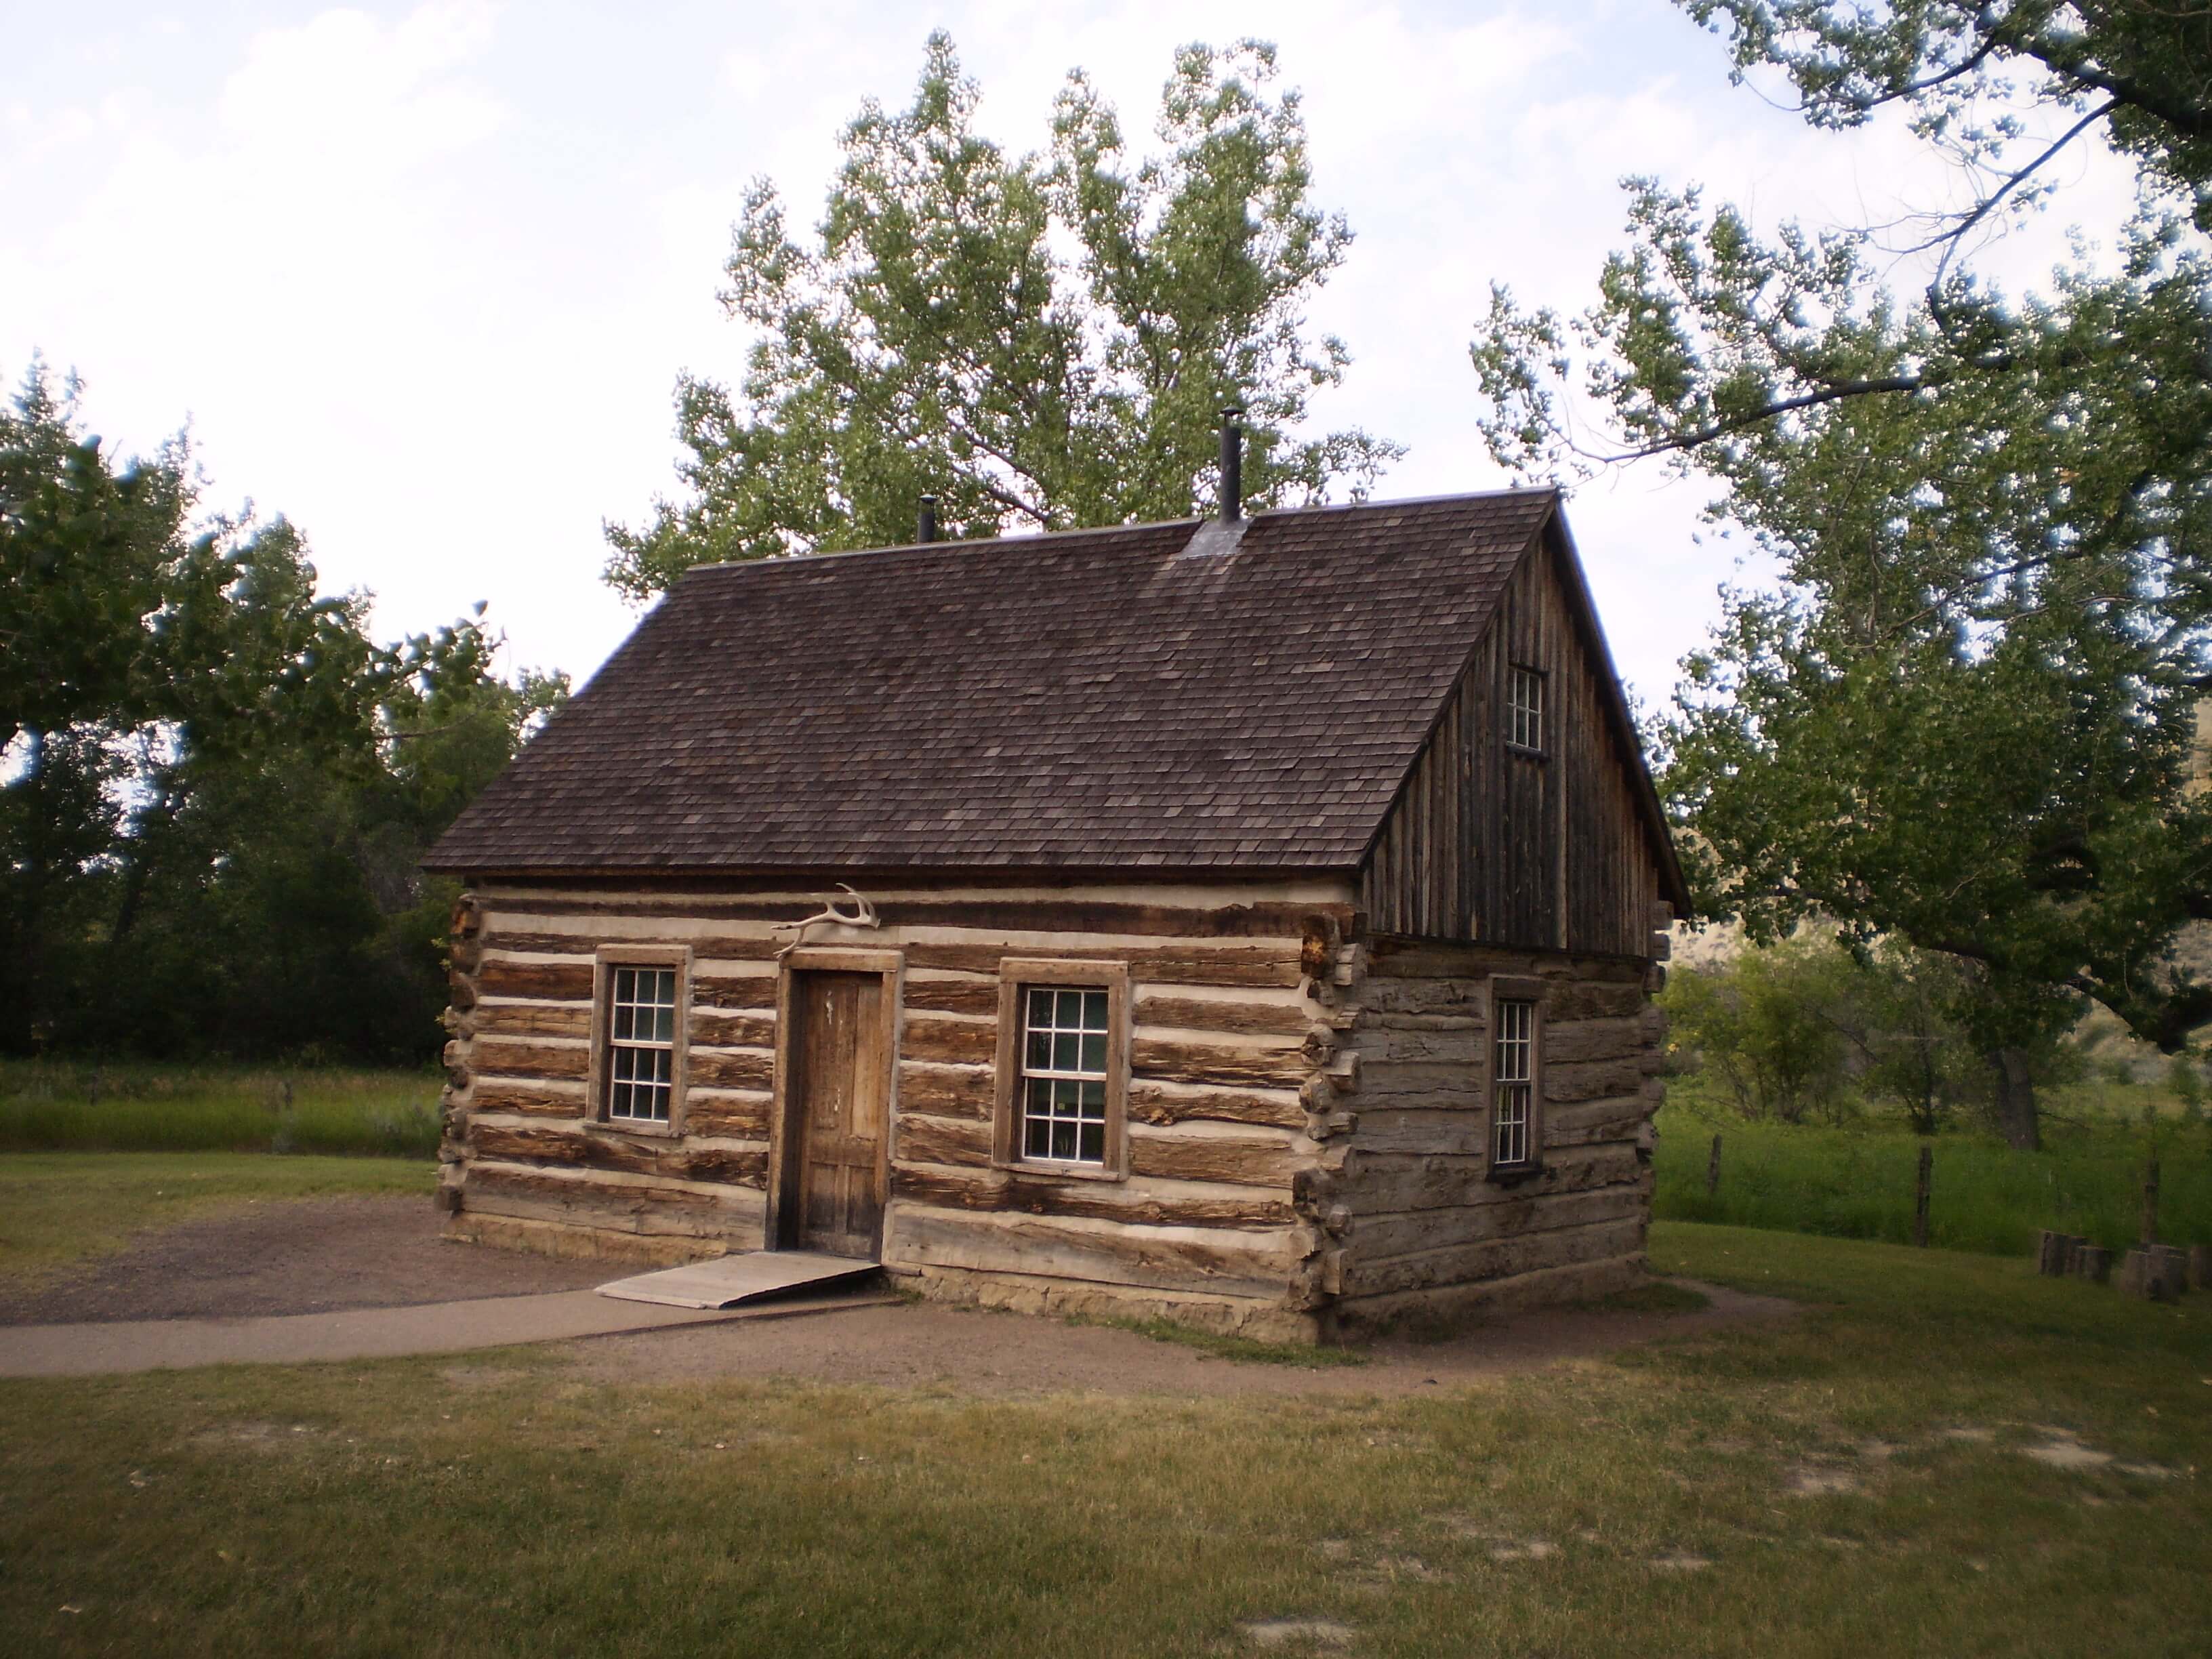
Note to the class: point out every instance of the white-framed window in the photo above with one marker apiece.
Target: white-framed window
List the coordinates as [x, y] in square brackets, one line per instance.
[640, 1044]
[1063, 1068]
[1524, 708]
[1513, 1081]
[1064, 1036]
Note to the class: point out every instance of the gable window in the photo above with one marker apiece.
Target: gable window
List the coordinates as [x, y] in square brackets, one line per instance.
[1063, 1067]
[638, 1054]
[1524, 708]
[1516, 1024]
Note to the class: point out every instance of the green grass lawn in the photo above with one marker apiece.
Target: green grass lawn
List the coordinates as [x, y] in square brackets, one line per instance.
[58, 1208]
[81, 1105]
[1857, 1182]
[1856, 1481]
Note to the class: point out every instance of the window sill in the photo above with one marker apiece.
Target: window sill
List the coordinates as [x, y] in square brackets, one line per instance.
[1512, 1174]
[1031, 1166]
[1526, 752]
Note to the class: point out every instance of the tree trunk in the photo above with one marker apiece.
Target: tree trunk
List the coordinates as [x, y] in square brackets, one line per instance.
[2017, 1119]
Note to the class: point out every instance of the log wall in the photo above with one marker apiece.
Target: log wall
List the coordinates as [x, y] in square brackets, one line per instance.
[1307, 1102]
[1491, 843]
[1225, 1037]
[1416, 1228]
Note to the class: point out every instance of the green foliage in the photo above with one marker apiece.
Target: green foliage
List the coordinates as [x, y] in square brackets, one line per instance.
[1041, 341]
[1963, 720]
[1859, 1183]
[1762, 1025]
[216, 784]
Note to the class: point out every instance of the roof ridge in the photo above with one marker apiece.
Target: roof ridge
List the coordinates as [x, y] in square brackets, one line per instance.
[776, 561]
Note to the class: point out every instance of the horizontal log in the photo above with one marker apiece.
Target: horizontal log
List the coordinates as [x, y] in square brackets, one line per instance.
[1257, 1264]
[1168, 1204]
[1568, 1083]
[1571, 1041]
[730, 1068]
[554, 981]
[737, 1116]
[720, 947]
[1195, 964]
[953, 996]
[532, 1059]
[718, 1028]
[500, 1094]
[1580, 1000]
[728, 1213]
[1040, 914]
[518, 1019]
[1470, 1263]
[1454, 1086]
[946, 1090]
[751, 992]
[1393, 958]
[581, 1149]
[1258, 1159]
[1461, 1046]
[1592, 1121]
[1423, 1130]
[1173, 1060]
[1519, 1210]
[1162, 1105]
[957, 1142]
[1236, 1018]
[1390, 1182]
[949, 1042]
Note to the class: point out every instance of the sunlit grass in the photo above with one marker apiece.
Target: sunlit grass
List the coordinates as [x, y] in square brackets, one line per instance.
[53, 1105]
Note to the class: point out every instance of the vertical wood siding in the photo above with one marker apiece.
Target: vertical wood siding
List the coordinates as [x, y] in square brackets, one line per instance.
[1488, 843]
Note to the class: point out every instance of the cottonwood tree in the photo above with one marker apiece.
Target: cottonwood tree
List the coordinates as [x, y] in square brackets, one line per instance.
[216, 783]
[1040, 340]
[1963, 717]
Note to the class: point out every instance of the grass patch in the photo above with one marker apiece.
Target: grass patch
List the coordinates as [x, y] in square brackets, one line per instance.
[1859, 1479]
[60, 1207]
[1858, 1182]
[87, 1106]
[1242, 1349]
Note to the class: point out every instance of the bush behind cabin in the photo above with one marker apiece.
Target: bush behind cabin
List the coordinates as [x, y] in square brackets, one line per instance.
[56, 1106]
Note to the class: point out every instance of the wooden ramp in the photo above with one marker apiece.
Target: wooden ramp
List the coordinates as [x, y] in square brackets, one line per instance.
[724, 1281]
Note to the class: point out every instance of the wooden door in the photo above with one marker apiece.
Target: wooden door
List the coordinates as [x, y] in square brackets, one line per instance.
[832, 1198]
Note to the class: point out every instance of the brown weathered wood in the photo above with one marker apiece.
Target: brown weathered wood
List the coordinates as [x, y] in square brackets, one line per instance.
[946, 1090]
[740, 1117]
[2138, 1277]
[1713, 1171]
[1171, 1061]
[2150, 1205]
[499, 1094]
[1195, 964]
[956, 1141]
[716, 1028]
[1458, 1264]
[839, 1122]
[1150, 1103]
[2052, 1253]
[1258, 1159]
[535, 1195]
[730, 1068]
[1138, 919]
[522, 1020]
[557, 982]
[1518, 1213]
[1001, 1190]
[1176, 1259]
[1221, 1014]
[1390, 1183]
[949, 1042]
[582, 1149]
[532, 1059]
[2171, 1264]
[1920, 1197]
[953, 996]
[2200, 1266]
[2094, 1263]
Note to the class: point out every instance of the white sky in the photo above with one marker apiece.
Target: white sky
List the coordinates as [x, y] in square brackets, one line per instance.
[422, 277]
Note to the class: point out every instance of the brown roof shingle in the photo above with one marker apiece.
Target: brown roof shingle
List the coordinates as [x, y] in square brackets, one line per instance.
[1092, 699]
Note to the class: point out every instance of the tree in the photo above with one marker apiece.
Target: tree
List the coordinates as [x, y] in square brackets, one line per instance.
[1041, 341]
[216, 784]
[1964, 718]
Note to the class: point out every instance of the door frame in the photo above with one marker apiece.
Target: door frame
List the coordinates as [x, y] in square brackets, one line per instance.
[891, 967]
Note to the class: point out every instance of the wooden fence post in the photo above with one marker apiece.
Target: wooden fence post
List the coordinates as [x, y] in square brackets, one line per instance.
[2094, 1263]
[2150, 1205]
[1920, 1197]
[1713, 1169]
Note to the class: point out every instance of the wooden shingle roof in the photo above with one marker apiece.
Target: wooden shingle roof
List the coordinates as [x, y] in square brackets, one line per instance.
[1097, 700]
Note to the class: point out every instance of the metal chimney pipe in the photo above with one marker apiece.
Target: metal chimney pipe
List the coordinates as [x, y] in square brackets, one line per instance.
[925, 530]
[1232, 464]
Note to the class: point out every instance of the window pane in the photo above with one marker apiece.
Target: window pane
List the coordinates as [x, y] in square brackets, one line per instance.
[1092, 1099]
[1041, 1050]
[1063, 1139]
[1036, 1142]
[1040, 1008]
[1094, 1051]
[1094, 1143]
[1094, 1011]
[1067, 1052]
[1070, 1012]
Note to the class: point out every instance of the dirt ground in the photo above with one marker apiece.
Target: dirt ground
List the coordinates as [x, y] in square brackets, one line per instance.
[304, 1255]
[321, 1254]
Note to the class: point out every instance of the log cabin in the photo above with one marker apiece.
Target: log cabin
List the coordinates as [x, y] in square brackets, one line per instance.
[1249, 922]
